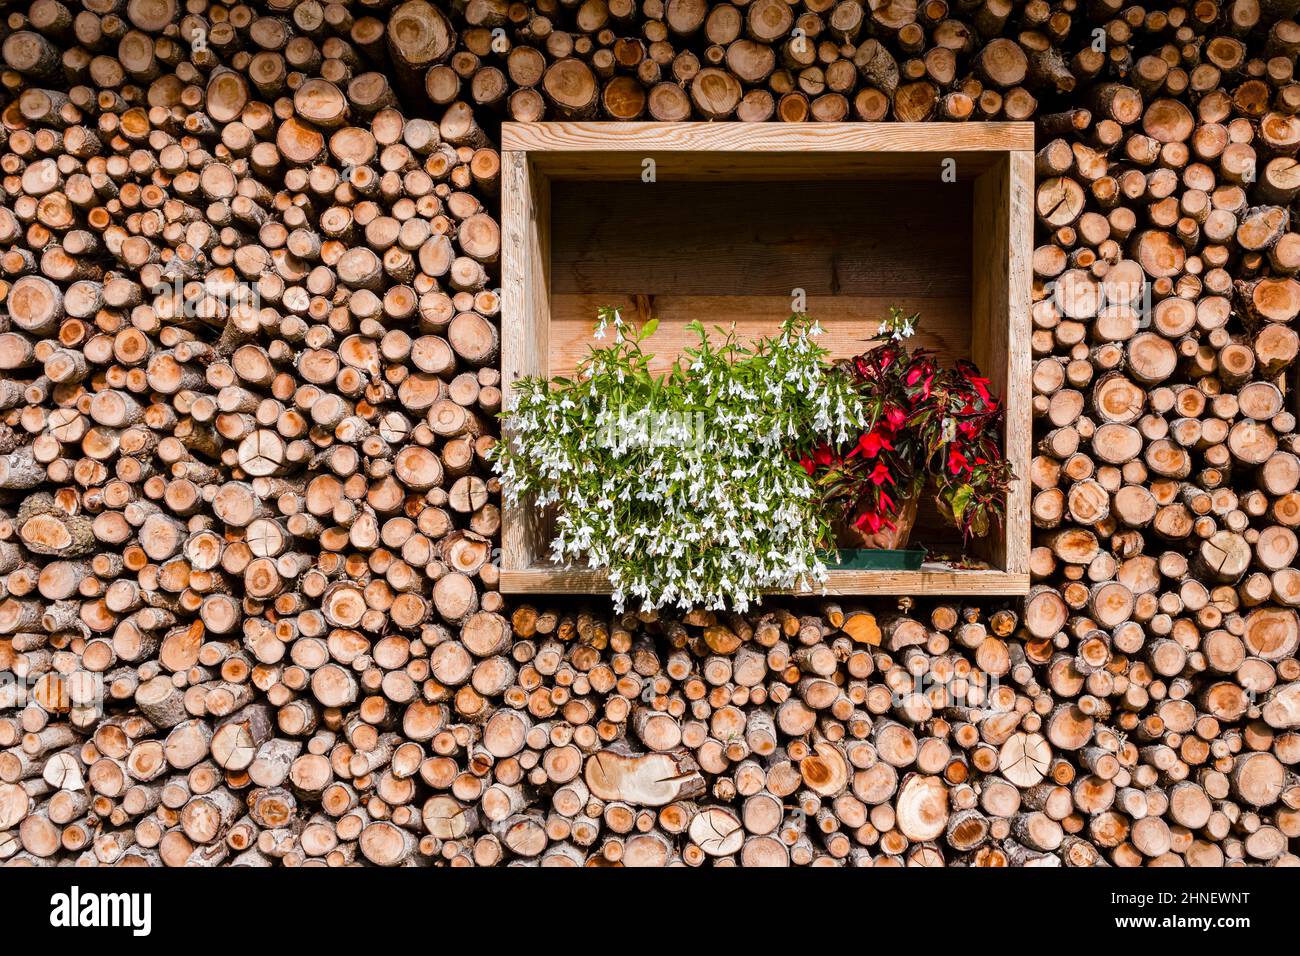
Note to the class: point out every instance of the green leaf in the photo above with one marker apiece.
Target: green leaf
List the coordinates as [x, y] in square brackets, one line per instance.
[648, 330]
[560, 455]
[959, 500]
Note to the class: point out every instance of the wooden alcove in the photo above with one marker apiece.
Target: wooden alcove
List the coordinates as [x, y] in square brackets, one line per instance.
[737, 217]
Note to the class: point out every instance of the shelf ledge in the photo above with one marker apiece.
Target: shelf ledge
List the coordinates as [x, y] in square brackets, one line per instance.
[933, 579]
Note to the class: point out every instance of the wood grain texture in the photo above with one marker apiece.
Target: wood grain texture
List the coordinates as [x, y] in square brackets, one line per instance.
[1001, 278]
[933, 578]
[525, 329]
[849, 323]
[767, 137]
[735, 252]
[729, 238]
[1017, 392]
[708, 152]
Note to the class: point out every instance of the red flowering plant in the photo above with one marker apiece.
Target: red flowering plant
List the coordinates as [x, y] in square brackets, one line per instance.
[960, 427]
[924, 423]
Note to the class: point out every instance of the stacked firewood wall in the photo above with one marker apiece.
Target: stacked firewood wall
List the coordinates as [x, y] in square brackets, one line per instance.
[249, 380]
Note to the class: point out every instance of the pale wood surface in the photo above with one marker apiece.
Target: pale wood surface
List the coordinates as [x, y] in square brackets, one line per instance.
[1000, 342]
[933, 578]
[768, 137]
[849, 322]
[525, 326]
[1018, 395]
[764, 151]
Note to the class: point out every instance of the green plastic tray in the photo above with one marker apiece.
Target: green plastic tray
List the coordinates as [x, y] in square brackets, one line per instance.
[878, 559]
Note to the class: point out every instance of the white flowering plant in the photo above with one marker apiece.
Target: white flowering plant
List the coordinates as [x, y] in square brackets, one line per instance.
[686, 486]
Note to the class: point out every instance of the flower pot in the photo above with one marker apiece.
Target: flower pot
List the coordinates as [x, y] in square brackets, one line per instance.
[889, 538]
[877, 559]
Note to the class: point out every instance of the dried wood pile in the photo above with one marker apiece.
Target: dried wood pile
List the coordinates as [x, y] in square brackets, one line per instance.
[248, 605]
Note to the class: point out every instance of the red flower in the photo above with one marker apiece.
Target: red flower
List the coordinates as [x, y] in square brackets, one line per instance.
[921, 372]
[933, 419]
[872, 442]
[870, 519]
[873, 521]
[979, 383]
[821, 455]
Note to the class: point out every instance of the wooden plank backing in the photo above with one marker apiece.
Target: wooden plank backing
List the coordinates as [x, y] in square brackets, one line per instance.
[730, 238]
[736, 252]
[848, 322]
